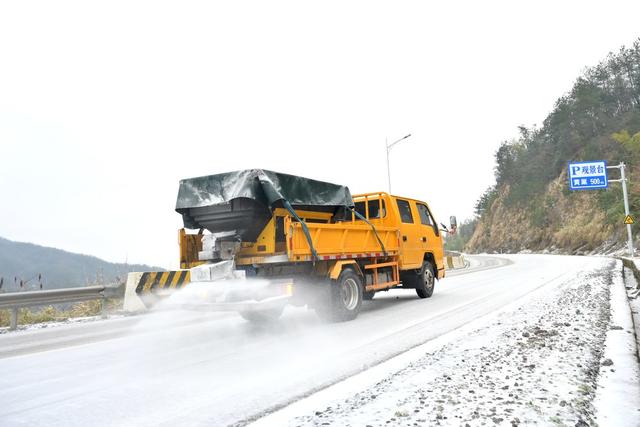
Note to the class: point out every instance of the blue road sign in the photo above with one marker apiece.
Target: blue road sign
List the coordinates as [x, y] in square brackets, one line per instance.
[588, 175]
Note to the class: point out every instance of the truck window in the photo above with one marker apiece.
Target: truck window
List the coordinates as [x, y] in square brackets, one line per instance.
[426, 218]
[374, 209]
[405, 211]
[424, 214]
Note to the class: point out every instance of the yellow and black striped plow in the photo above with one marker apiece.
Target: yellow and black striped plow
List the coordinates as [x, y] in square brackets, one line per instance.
[165, 280]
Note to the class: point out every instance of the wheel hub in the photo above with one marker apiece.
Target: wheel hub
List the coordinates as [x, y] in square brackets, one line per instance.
[428, 279]
[350, 294]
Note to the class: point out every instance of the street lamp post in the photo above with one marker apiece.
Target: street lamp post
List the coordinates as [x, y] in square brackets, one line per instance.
[389, 149]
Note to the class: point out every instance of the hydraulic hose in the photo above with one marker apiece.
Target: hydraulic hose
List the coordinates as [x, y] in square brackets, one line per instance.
[305, 229]
[359, 216]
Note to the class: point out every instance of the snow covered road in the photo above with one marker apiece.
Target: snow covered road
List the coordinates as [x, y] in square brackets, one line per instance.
[545, 362]
[216, 369]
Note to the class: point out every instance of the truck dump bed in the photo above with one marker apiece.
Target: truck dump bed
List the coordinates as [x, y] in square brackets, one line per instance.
[241, 202]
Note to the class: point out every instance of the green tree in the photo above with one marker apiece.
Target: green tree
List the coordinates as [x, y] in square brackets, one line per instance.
[631, 143]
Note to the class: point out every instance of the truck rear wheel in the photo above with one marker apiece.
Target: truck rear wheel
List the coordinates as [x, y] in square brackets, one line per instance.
[426, 281]
[345, 298]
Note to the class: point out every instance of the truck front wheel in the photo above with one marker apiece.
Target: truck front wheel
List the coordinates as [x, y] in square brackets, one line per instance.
[345, 298]
[426, 281]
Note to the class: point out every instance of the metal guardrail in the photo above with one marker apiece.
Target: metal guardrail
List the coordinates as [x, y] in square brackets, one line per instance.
[16, 300]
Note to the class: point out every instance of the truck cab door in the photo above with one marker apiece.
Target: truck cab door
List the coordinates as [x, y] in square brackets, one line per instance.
[410, 245]
[429, 235]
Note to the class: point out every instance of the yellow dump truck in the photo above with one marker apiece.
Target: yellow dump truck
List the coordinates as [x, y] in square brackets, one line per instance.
[267, 239]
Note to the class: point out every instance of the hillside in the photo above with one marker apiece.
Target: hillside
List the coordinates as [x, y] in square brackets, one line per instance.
[58, 268]
[530, 206]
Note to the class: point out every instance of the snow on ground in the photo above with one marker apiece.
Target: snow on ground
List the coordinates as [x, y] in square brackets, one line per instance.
[63, 322]
[537, 364]
[633, 293]
[618, 391]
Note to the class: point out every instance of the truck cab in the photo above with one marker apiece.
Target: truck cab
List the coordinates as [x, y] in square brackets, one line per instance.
[419, 237]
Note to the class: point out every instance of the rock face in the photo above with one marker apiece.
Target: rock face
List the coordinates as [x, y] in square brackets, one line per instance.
[559, 221]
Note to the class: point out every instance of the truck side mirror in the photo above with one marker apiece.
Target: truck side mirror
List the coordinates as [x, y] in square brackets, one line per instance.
[454, 221]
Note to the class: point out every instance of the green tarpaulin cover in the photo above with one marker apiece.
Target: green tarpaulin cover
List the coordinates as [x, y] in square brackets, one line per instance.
[242, 200]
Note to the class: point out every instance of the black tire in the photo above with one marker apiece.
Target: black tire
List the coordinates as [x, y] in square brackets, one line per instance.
[426, 280]
[368, 295]
[344, 299]
[263, 316]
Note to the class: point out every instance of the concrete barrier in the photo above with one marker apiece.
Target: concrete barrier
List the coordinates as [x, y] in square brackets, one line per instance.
[454, 261]
[458, 261]
[132, 302]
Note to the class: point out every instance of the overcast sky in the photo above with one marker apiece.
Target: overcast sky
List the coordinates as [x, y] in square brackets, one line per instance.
[104, 107]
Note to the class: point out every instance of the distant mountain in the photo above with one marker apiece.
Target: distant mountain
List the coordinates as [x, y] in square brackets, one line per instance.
[56, 268]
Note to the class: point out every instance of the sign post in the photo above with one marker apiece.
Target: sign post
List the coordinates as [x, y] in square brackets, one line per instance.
[623, 180]
[593, 176]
